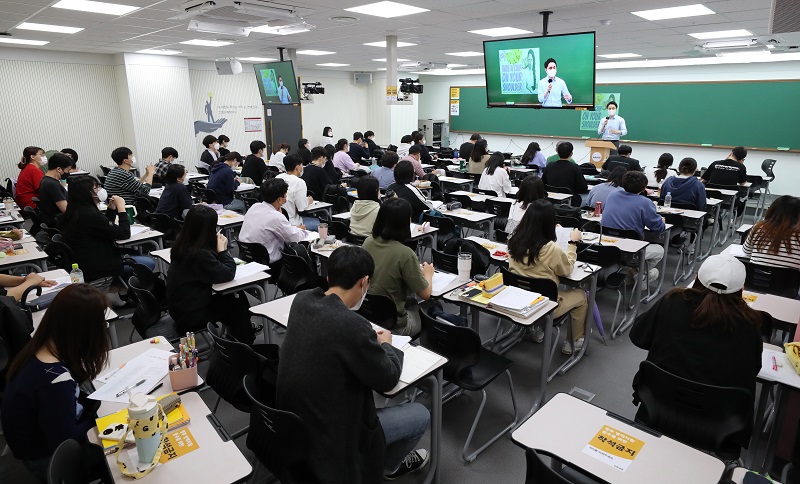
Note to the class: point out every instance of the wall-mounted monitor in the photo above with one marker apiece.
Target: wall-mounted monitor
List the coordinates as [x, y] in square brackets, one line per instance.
[555, 71]
[277, 83]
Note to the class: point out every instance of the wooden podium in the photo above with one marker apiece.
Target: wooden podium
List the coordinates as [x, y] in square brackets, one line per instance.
[599, 150]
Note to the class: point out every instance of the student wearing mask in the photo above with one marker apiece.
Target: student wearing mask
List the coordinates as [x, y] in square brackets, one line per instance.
[341, 159]
[211, 153]
[414, 157]
[365, 209]
[297, 199]
[224, 182]
[223, 145]
[43, 403]
[277, 156]
[52, 194]
[530, 190]
[495, 176]
[623, 159]
[685, 187]
[403, 188]
[565, 174]
[254, 165]
[175, 201]
[73, 155]
[327, 136]
[200, 259]
[600, 192]
[662, 170]
[372, 147]
[533, 157]
[303, 151]
[121, 182]
[327, 376]
[30, 176]
[479, 156]
[405, 143]
[398, 272]
[168, 155]
[385, 173]
[419, 140]
[315, 175]
[283, 93]
[465, 150]
[612, 127]
[775, 241]
[552, 88]
[358, 149]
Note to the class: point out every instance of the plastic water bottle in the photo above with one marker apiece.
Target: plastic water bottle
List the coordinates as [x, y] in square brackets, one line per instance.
[668, 200]
[76, 275]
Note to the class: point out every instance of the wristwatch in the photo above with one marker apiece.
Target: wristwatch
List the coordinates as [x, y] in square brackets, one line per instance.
[573, 242]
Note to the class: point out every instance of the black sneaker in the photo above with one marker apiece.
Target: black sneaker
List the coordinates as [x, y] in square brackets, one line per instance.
[414, 461]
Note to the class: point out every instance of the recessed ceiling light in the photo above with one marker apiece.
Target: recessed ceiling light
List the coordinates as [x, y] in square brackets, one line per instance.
[383, 44]
[721, 34]
[384, 60]
[452, 66]
[387, 9]
[281, 29]
[465, 54]
[618, 56]
[500, 32]
[345, 19]
[159, 51]
[674, 12]
[9, 40]
[95, 7]
[206, 43]
[256, 59]
[49, 28]
[314, 52]
[333, 64]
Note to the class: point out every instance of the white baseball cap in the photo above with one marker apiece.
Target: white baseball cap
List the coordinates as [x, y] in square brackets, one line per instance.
[723, 274]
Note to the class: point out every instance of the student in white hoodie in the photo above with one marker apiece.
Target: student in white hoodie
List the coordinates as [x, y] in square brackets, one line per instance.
[365, 210]
[405, 143]
[495, 176]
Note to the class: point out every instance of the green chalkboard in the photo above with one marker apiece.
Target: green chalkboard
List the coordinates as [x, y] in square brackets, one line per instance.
[752, 114]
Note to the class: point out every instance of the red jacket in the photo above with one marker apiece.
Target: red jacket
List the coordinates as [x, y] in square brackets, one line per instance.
[28, 185]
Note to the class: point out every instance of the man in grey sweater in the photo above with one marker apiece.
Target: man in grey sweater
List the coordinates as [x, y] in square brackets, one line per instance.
[330, 363]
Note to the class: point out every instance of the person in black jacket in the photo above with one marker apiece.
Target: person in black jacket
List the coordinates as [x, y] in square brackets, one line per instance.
[175, 199]
[303, 151]
[314, 174]
[465, 150]
[372, 147]
[425, 156]
[211, 153]
[223, 145]
[200, 259]
[565, 174]
[254, 165]
[402, 187]
[358, 149]
[334, 174]
[623, 159]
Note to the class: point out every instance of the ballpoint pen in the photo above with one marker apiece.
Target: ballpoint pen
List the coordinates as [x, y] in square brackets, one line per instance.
[128, 389]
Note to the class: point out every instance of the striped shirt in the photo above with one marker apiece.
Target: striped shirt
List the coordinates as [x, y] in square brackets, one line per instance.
[762, 256]
[122, 183]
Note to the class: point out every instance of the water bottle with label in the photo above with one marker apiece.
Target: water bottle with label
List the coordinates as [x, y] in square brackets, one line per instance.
[668, 200]
[76, 275]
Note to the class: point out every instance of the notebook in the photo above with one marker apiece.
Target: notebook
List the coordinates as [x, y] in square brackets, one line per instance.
[516, 301]
[175, 419]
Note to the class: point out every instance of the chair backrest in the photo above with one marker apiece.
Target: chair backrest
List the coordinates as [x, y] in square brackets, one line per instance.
[50, 231]
[766, 167]
[296, 274]
[588, 169]
[73, 463]
[780, 281]
[60, 254]
[446, 225]
[545, 287]
[490, 193]
[105, 170]
[5, 356]
[500, 209]
[202, 170]
[625, 234]
[166, 225]
[460, 345]
[249, 202]
[445, 262]
[551, 188]
[606, 256]
[481, 258]
[253, 252]
[708, 417]
[341, 205]
[675, 219]
[208, 195]
[339, 229]
[501, 236]
[355, 239]
[148, 309]
[538, 472]
[230, 361]
[379, 309]
[465, 200]
[33, 215]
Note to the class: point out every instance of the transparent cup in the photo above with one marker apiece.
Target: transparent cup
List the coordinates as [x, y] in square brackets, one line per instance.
[322, 229]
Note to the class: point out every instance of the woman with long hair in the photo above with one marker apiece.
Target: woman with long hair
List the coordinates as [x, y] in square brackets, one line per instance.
[662, 170]
[775, 241]
[533, 252]
[43, 403]
[530, 190]
[600, 192]
[341, 159]
[365, 209]
[479, 156]
[495, 176]
[30, 176]
[175, 199]
[200, 259]
[533, 157]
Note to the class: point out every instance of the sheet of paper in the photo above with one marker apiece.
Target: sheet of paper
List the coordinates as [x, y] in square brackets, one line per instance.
[245, 186]
[514, 298]
[736, 250]
[138, 229]
[248, 270]
[416, 363]
[151, 366]
[398, 341]
[6, 218]
[562, 237]
[61, 283]
[441, 280]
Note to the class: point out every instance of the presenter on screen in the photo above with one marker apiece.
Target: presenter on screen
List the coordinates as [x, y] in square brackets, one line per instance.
[552, 88]
[612, 126]
[528, 76]
[283, 93]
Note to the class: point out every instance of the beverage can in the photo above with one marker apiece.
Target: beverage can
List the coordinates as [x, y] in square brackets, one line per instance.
[598, 208]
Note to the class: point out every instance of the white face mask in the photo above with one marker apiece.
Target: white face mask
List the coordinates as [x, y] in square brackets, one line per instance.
[43, 160]
[551, 73]
[133, 162]
[102, 195]
[612, 112]
[281, 83]
[216, 146]
[363, 296]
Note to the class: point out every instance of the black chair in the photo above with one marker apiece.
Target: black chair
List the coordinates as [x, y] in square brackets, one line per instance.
[297, 274]
[50, 231]
[446, 226]
[105, 170]
[613, 274]
[202, 170]
[481, 258]
[780, 281]
[501, 236]
[76, 463]
[538, 472]
[501, 210]
[488, 193]
[341, 205]
[445, 262]
[464, 200]
[575, 201]
[355, 239]
[253, 252]
[470, 367]
[249, 202]
[148, 319]
[707, 417]
[338, 229]
[207, 195]
[33, 216]
[154, 282]
[279, 439]
[59, 254]
[144, 210]
[379, 309]
[166, 225]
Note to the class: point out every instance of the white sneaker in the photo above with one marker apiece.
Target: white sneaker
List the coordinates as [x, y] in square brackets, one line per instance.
[537, 335]
[414, 461]
[567, 349]
[115, 300]
[652, 275]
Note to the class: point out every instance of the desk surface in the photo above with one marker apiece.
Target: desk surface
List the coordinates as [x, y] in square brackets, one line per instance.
[452, 179]
[565, 425]
[213, 461]
[228, 218]
[540, 312]
[165, 255]
[148, 234]
[35, 253]
[468, 215]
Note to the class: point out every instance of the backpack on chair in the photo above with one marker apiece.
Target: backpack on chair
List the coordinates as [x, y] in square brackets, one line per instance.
[481, 259]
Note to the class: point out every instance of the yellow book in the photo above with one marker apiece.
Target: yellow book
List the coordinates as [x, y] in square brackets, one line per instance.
[175, 419]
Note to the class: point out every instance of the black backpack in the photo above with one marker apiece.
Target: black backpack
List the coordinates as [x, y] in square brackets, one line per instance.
[480, 255]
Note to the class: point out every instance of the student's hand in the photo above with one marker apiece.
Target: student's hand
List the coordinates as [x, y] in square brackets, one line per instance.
[575, 235]
[236, 178]
[222, 243]
[427, 269]
[384, 336]
[663, 220]
[35, 279]
[301, 226]
[118, 203]
[149, 169]
[310, 199]
[48, 283]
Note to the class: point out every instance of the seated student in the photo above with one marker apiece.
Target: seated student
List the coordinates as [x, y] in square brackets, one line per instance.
[729, 172]
[385, 172]
[623, 159]
[662, 170]
[419, 140]
[341, 159]
[315, 175]
[775, 241]
[495, 176]
[566, 174]
[73, 155]
[265, 224]
[405, 144]
[327, 136]
[365, 209]
[533, 157]
[211, 153]
[43, 404]
[628, 209]
[414, 156]
[30, 176]
[254, 165]
[224, 182]
[372, 147]
[600, 192]
[121, 182]
[478, 157]
[304, 151]
[334, 173]
[328, 373]
[91, 234]
[168, 155]
[223, 145]
[689, 330]
[358, 149]
[685, 187]
[397, 269]
[465, 150]
[297, 199]
[52, 194]
[277, 156]
[556, 157]
[175, 201]
[530, 190]
[200, 259]
[403, 188]
[533, 252]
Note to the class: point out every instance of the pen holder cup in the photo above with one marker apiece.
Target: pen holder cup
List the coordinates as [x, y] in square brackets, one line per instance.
[183, 379]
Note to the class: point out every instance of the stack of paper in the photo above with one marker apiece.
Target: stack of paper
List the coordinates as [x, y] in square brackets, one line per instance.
[248, 270]
[736, 250]
[416, 363]
[441, 280]
[517, 301]
[562, 237]
[149, 368]
[138, 229]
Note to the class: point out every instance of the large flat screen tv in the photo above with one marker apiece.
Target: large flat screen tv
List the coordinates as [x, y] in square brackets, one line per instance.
[277, 83]
[555, 71]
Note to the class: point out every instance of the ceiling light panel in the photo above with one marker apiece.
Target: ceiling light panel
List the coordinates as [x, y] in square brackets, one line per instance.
[500, 32]
[8, 40]
[383, 44]
[721, 34]
[387, 9]
[465, 54]
[159, 51]
[384, 60]
[48, 28]
[619, 56]
[333, 64]
[206, 43]
[256, 59]
[314, 52]
[674, 12]
[95, 7]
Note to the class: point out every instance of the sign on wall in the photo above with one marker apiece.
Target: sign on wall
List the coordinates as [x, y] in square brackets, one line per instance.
[253, 125]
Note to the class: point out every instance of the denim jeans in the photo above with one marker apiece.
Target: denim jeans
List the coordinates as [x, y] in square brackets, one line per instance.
[145, 260]
[311, 223]
[403, 426]
[236, 205]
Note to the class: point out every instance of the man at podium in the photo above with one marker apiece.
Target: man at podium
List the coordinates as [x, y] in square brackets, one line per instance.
[612, 126]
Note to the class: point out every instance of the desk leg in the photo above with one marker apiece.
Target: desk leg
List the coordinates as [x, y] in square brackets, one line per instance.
[435, 383]
[752, 450]
[112, 334]
[590, 324]
[539, 397]
[627, 322]
[714, 232]
[666, 235]
[780, 411]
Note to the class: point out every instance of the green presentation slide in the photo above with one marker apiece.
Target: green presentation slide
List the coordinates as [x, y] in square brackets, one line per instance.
[516, 74]
[276, 82]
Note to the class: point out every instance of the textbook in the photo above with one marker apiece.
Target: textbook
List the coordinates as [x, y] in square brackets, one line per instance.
[175, 419]
[516, 301]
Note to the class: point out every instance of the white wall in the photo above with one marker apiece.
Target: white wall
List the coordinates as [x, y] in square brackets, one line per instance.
[434, 103]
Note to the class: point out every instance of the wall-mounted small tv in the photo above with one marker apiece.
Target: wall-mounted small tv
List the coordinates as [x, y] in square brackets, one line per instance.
[554, 71]
[277, 83]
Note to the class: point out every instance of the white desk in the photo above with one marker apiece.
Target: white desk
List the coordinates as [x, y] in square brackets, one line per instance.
[148, 237]
[559, 197]
[228, 220]
[35, 258]
[458, 183]
[472, 219]
[479, 197]
[565, 425]
[215, 460]
[318, 206]
[739, 473]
